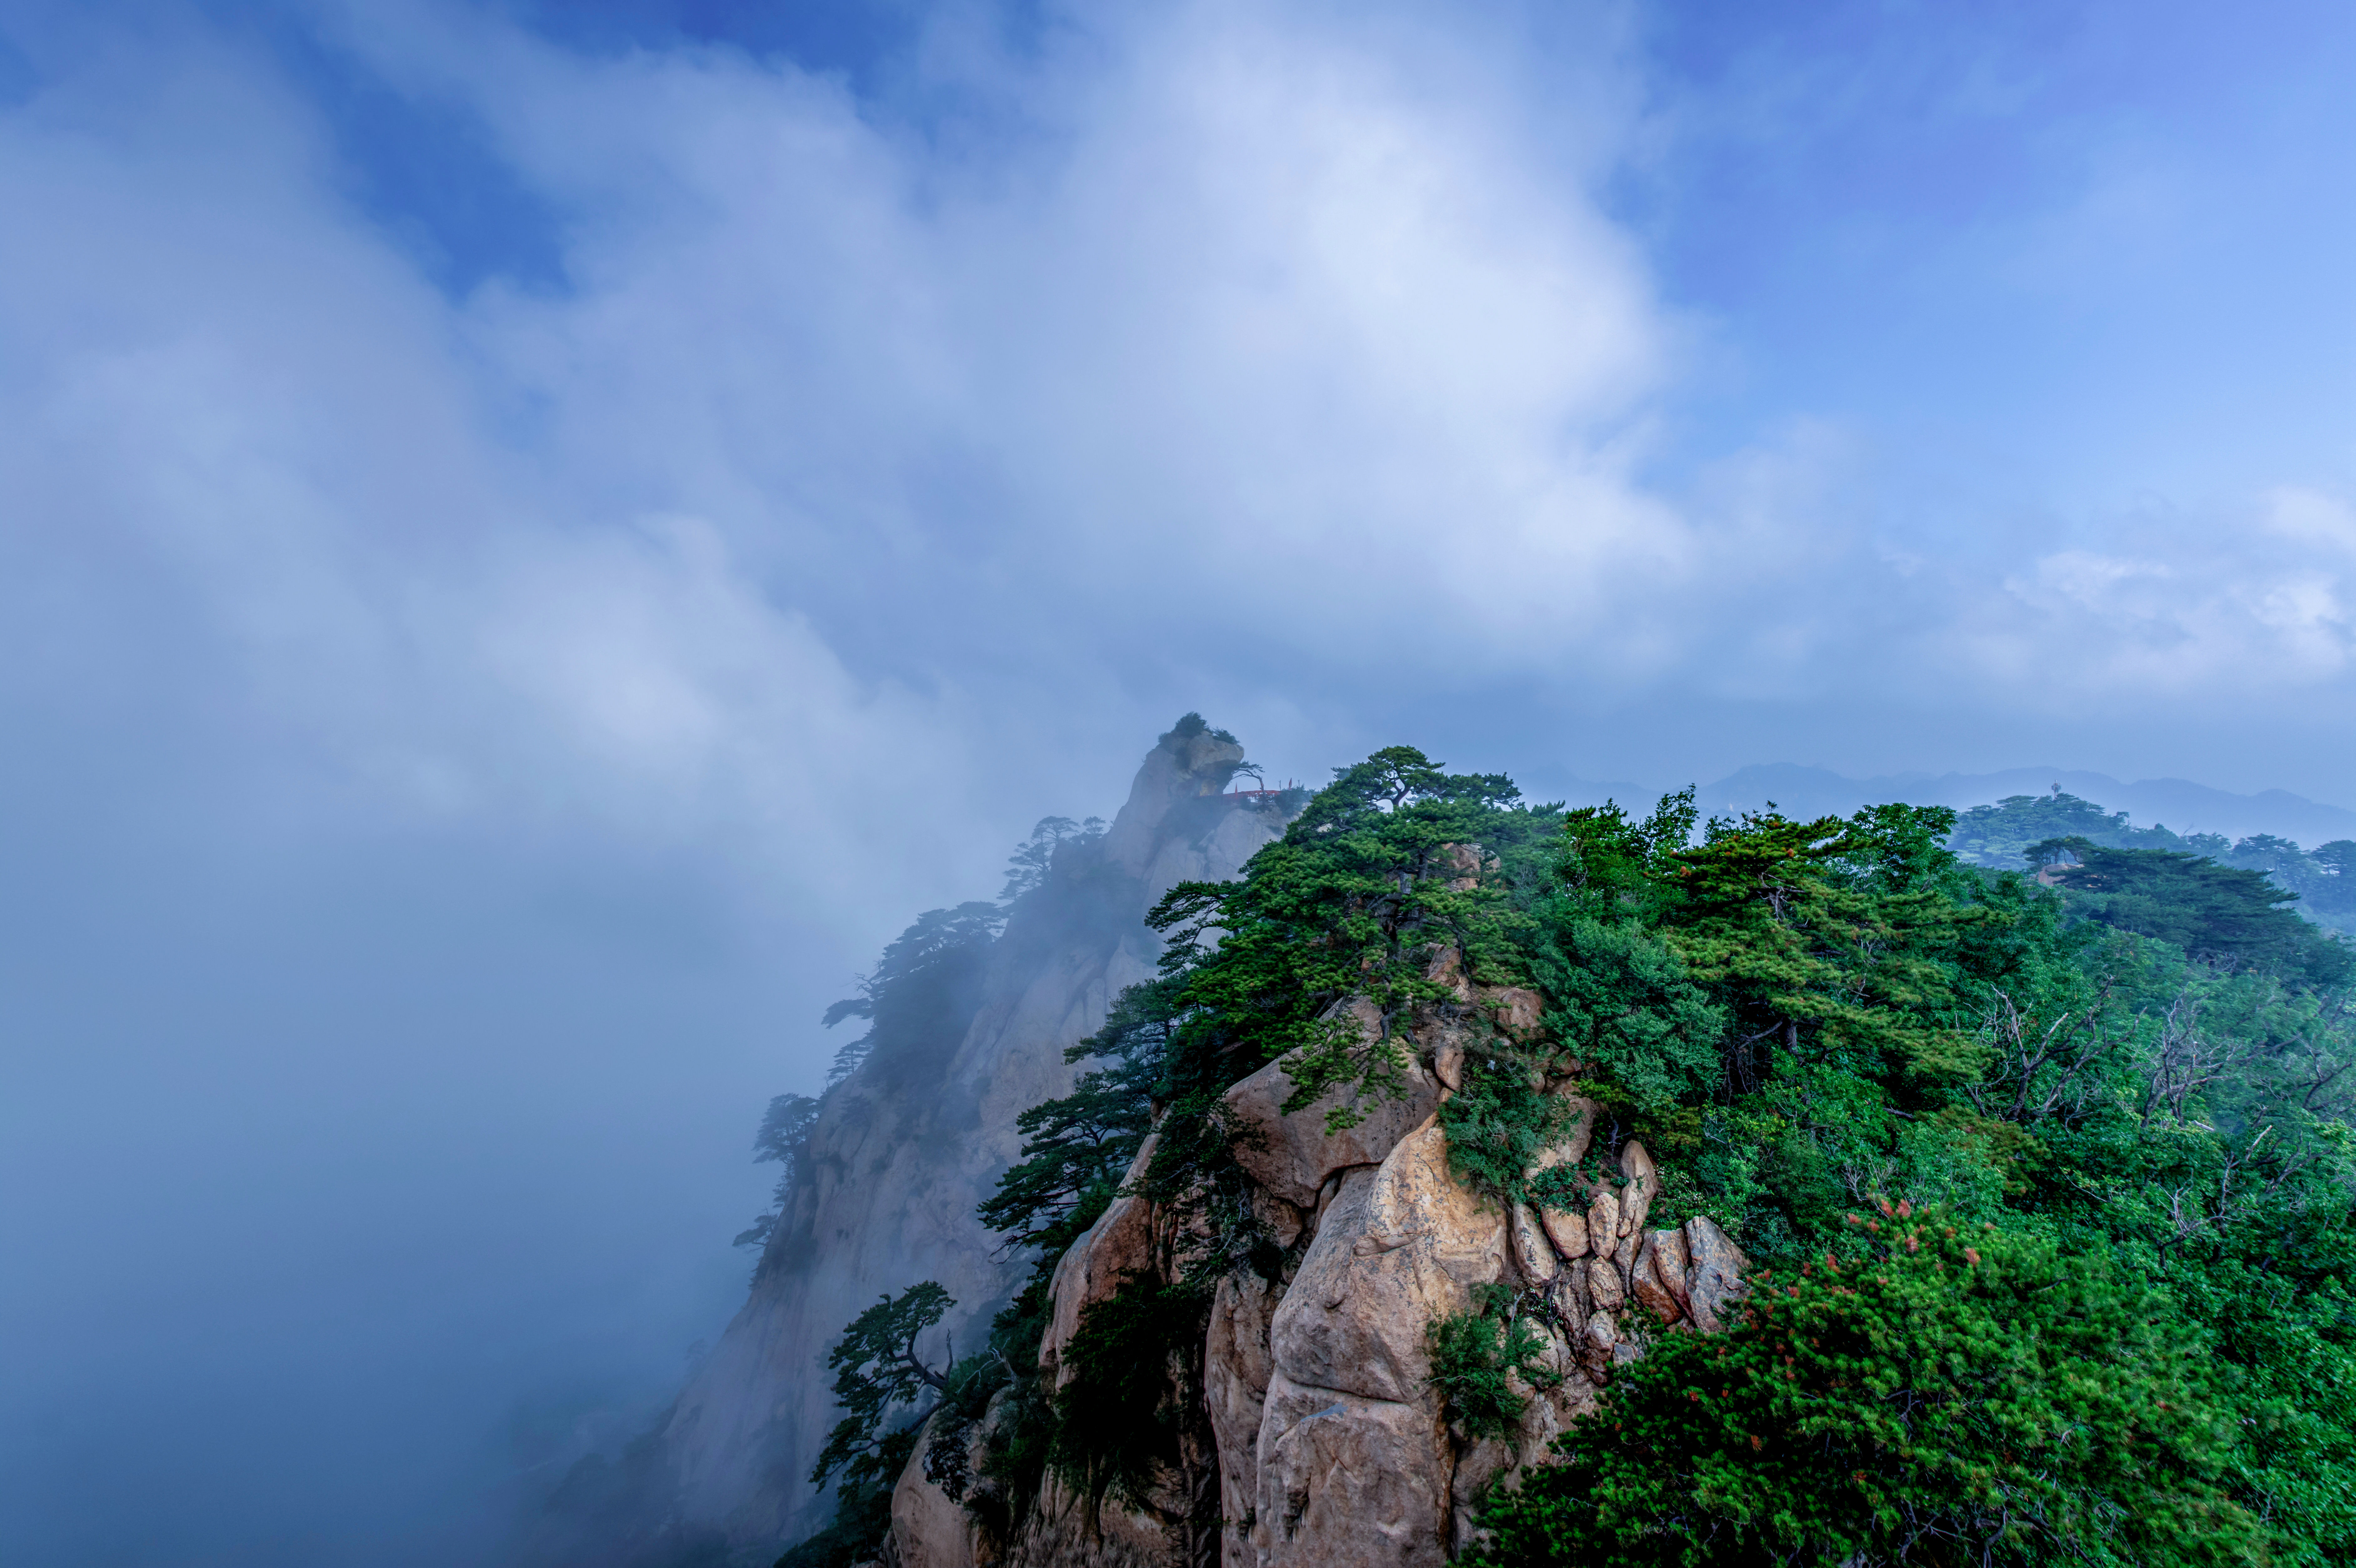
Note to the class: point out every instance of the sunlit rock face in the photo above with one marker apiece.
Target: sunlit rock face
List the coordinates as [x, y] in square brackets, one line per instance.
[902, 1153]
[1330, 1447]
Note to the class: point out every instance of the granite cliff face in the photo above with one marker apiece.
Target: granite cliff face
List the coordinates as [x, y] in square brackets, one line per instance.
[895, 1166]
[1329, 1445]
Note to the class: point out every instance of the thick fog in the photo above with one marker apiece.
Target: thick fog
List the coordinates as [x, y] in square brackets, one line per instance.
[533, 539]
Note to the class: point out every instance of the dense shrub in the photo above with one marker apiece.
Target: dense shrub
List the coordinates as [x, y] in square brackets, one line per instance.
[1950, 1393]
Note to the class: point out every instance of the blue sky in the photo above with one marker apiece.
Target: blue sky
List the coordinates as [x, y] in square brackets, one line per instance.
[537, 536]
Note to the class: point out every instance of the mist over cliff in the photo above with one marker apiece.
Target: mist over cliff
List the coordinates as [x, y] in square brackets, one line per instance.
[967, 1029]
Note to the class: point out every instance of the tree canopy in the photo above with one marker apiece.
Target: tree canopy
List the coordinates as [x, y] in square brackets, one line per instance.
[2050, 1174]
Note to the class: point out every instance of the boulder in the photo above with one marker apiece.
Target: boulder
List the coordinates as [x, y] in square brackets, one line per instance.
[1604, 1291]
[1447, 968]
[1447, 1061]
[1292, 1155]
[1069, 1530]
[1465, 866]
[1567, 1229]
[928, 1530]
[1533, 1253]
[1348, 1482]
[1644, 1185]
[1597, 1343]
[1397, 1247]
[1569, 1295]
[1604, 1220]
[1658, 1277]
[1714, 1271]
[1515, 1008]
[1571, 1148]
[1237, 1367]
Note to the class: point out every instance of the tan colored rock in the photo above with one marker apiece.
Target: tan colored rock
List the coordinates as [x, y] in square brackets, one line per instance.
[1624, 1258]
[1119, 1243]
[1604, 1291]
[1281, 1220]
[1398, 1247]
[1566, 1230]
[1645, 1285]
[1326, 1192]
[1447, 968]
[1237, 1367]
[1291, 1157]
[1604, 1220]
[1347, 1482]
[1569, 1295]
[1447, 1062]
[1515, 1008]
[1714, 1273]
[1644, 1185]
[1658, 1279]
[1597, 1342]
[928, 1530]
[1533, 1253]
[1067, 1531]
[1571, 1148]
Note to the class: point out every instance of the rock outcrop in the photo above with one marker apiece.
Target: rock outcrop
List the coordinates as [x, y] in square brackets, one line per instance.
[892, 1172]
[1291, 1157]
[1332, 1449]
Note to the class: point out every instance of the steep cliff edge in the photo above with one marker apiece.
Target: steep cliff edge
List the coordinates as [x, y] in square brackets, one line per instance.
[901, 1152]
[1332, 1443]
[1356, 1207]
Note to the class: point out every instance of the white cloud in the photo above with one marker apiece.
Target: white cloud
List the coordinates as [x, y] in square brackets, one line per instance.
[1207, 347]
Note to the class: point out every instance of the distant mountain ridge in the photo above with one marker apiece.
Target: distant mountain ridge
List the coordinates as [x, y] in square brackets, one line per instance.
[2175, 803]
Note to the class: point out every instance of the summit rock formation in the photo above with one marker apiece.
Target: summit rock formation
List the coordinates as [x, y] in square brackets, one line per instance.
[1332, 1447]
[893, 1169]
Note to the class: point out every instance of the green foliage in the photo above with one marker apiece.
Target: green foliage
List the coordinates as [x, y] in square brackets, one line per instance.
[783, 1135]
[2217, 914]
[2000, 836]
[1189, 726]
[1610, 862]
[2149, 1100]
[2029, 830]
[919, 997]
[1949, 1393]
[1621, 999]
[1350, 902]
[877, 1374]
[862, 1513]
[1075, 1149]
[1135, 1365]
[1478, 1358]
[1395, 860]
[1033, 861]
[1500, 1120]
[1831, 939]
